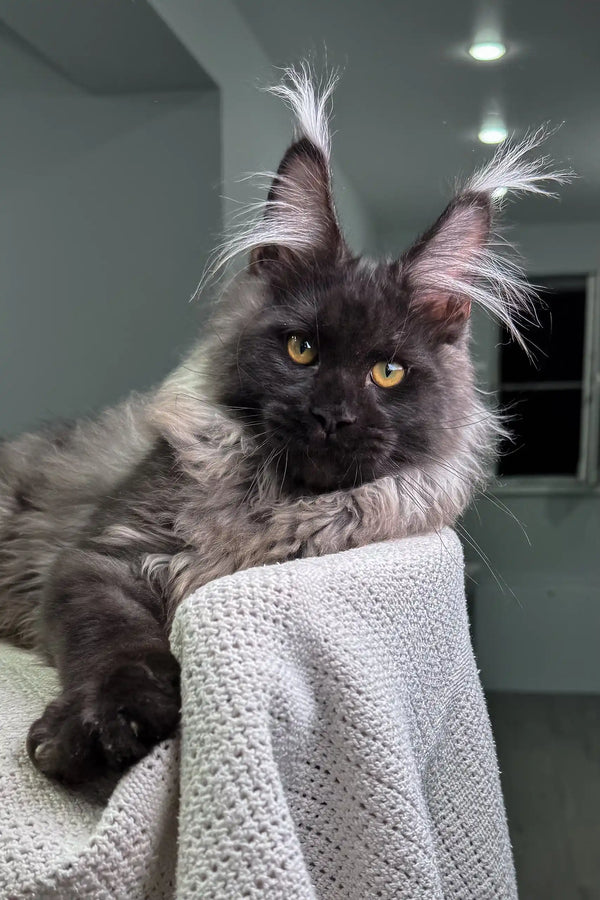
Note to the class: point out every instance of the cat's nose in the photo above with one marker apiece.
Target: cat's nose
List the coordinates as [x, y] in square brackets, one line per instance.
[333, 418]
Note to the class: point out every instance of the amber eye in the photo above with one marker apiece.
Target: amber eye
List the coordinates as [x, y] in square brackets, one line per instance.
[301, 349]
[387, 374]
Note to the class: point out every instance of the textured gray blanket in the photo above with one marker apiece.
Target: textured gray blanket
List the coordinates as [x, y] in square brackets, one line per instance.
[335, 744]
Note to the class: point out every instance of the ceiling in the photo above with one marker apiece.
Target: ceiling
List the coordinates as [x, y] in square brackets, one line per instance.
[91, 41]
[411, 100]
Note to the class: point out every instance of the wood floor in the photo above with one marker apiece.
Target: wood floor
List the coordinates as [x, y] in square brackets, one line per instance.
[549, 754]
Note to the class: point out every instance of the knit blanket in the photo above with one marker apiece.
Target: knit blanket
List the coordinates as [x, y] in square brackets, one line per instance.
[334, 744]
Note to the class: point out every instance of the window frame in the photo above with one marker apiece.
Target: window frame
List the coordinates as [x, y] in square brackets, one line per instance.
[587, 479]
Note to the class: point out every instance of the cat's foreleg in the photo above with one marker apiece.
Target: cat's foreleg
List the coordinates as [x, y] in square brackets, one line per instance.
[104, 628]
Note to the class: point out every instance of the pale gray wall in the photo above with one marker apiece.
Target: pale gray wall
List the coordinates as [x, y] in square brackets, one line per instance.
[544, 635]
[110, 205]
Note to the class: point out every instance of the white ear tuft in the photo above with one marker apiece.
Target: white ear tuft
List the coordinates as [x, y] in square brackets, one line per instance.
[512, 168]
[308, 100]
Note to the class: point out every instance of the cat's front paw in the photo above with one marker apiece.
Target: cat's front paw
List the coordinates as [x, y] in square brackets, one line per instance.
[110, 724]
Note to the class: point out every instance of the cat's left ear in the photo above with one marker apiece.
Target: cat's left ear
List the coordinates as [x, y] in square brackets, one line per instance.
[441, 268]
[299, 225]
[298, 228]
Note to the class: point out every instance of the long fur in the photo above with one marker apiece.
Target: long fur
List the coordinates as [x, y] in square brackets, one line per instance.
[415, 501]
[51, 483]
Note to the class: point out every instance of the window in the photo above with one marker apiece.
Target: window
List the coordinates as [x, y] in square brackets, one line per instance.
[554, 399]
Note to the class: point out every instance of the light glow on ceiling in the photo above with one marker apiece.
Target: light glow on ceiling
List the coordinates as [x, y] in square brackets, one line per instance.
[492, 133]
[487, 51]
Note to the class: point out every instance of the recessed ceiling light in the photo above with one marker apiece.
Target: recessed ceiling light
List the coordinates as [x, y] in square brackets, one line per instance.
[492, 134]
[499, 193]
[487, 51]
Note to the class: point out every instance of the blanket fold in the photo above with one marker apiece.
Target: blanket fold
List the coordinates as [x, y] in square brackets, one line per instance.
[335, 744]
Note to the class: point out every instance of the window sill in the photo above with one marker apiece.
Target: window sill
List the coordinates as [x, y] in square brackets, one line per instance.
[545, 486]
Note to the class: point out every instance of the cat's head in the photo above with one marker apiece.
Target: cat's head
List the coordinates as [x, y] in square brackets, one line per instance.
[345, 369]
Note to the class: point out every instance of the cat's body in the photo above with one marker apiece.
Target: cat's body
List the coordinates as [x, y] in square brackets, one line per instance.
[286, 433]
[173, 486]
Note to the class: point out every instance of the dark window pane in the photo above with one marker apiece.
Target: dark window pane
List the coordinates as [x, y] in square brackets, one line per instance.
[558, 343]
[545, 425]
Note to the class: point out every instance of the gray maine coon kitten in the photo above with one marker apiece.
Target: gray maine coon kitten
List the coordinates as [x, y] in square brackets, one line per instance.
[331, 404]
